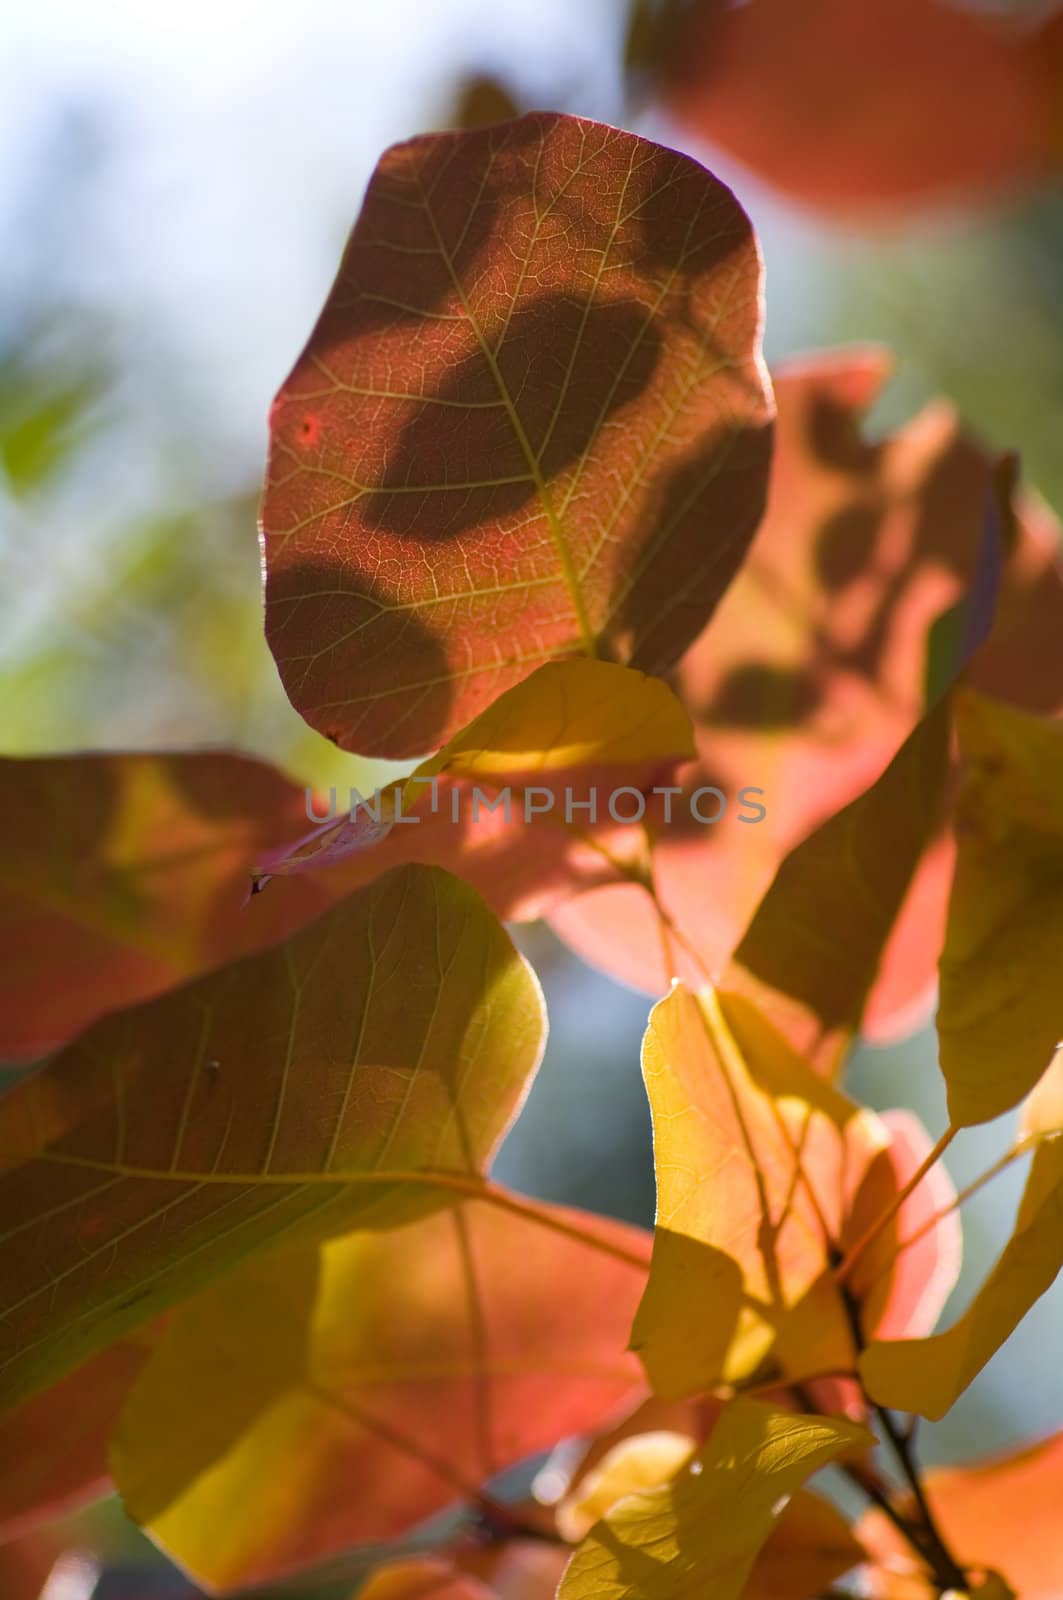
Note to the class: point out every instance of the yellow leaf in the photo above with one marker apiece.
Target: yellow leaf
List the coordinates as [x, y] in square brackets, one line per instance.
[752, 1151]
[1001, 1009]
[701, 1532]
[928, 1375]
[353, 1076]
[574, 713]
[321, 1398]
[641, 1462]
[1042, 1110]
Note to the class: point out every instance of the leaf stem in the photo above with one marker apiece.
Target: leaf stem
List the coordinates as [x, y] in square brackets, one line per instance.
[848, 1262]
[947, 1571]
[923, 1533]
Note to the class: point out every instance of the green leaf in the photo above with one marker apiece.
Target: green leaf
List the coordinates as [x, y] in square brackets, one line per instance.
[357, 1075]
[812, 951]
[1001, 1011]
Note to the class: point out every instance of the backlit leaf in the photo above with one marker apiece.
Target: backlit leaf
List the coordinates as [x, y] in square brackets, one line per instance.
[870, 110]
[640, 1462]
[902, 1287]
[532, 420]
[339, 1079]
[568, 722]
[1001, 1011]
[813, 949]
[1001, 1513]
[815, 669]
[123, 875]
[754, 1156]
[928, 1375]
[701, 1532]
[403, 1369]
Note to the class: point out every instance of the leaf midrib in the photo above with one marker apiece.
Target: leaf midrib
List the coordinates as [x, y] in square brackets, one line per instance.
[557, 534]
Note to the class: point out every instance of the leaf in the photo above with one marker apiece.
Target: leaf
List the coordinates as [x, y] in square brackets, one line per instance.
[27, 1565]
[928, 1375]
[641, 1462]
[363, 1071]
[810, 1546]
[570, 714]
[834, 109]
[123, 875]
[571, 720]
[53, 1447]
[519, 1569]
[534, 387]
[1001, 1016]
[423, 1578]
[754, 1154]
[813, 949]
[1042, 1110]
[414, 1364]
[814, 670]
[981, 1506]
[702, 1532]
[902, 1287]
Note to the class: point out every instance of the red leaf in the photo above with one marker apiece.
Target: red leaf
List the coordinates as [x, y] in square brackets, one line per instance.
[814, 669]
[869, 110]
[534, 387]
[124, 875]
[53, 1447]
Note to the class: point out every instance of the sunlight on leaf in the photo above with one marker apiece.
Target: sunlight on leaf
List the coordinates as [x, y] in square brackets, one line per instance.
[927, 1376]
[414, 1364]
[532, 420]
[702, 1531]
[754, 1156]
[341, 1078]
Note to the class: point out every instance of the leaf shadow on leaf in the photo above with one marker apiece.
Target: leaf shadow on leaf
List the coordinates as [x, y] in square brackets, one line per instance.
[654, 619]
[554, 353]
[761, 695]
[389, 626]
[371, 282]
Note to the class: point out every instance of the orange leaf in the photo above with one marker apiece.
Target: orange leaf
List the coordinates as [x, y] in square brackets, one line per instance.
[1001, 1513]
[124, 875]
[405, 1368]
[928, 1375]
[870, 110]
[814, 671]
[423, 1578]
[535, 385]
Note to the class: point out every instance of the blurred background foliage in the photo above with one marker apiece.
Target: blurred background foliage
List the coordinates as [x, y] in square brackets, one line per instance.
[175, 189]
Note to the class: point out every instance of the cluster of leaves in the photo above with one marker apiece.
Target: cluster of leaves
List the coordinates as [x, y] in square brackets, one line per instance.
[535, 506]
